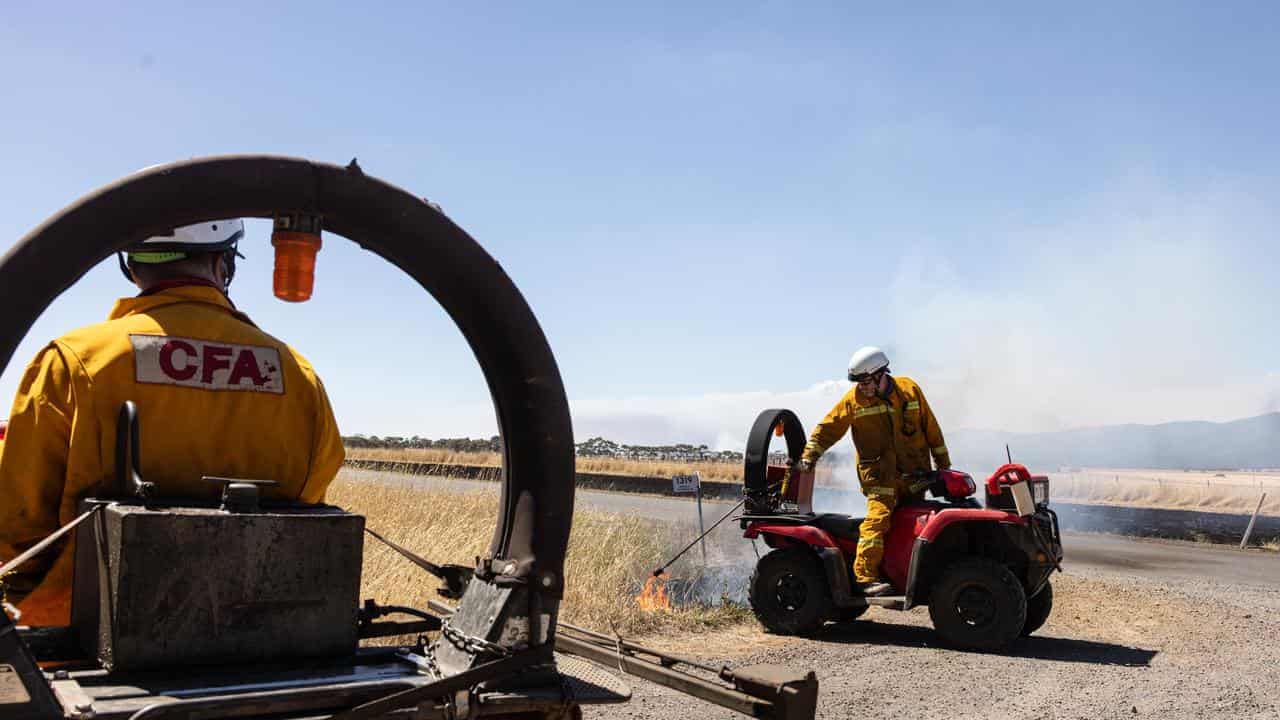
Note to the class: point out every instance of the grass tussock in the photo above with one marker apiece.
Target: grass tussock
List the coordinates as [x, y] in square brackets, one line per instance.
[723, 471]
[1273, 544]
[609, 556]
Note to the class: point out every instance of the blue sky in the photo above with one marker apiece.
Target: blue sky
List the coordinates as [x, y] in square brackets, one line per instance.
[1050, 217]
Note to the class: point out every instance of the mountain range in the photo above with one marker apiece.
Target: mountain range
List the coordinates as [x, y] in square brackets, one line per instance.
[1251, 443]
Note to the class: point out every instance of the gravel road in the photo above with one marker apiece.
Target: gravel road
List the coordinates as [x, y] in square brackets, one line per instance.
[1116, 646]
[1162, 629]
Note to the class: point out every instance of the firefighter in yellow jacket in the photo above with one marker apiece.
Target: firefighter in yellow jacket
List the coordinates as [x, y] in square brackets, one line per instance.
[215, 395]
[895, 434]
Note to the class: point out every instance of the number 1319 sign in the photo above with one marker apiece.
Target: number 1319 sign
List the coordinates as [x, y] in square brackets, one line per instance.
[685, 483]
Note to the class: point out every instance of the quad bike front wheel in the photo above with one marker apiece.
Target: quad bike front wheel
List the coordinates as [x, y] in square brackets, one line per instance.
[1038, 608]
[789, 592]
[978, 604]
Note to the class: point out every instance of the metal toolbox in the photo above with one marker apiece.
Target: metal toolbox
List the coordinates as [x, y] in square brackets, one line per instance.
[158, 587]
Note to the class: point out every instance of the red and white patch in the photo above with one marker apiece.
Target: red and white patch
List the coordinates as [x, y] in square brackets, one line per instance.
[205, 364]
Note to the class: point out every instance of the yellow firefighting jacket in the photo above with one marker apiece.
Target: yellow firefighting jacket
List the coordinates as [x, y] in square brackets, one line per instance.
[216, 396]
[893, 437]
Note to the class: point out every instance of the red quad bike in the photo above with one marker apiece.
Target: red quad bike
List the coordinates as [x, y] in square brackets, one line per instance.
[983, 571]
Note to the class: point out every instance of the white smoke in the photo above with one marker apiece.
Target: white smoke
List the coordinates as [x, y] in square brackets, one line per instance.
[1147, 308]
[719, 420]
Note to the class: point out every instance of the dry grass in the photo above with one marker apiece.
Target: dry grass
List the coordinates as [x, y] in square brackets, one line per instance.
[609, 555]
[723, 471]
[1160, 492]
[1272, 544]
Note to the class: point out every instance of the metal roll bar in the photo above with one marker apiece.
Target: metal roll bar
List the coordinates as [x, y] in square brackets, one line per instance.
[756, 455]
[526, 554]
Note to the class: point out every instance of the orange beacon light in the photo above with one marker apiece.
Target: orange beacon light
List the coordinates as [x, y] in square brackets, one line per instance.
[296, 239]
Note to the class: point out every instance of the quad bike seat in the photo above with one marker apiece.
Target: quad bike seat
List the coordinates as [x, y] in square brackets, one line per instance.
[838, 525]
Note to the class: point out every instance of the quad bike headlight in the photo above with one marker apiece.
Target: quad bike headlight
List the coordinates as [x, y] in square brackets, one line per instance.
[1040, 490]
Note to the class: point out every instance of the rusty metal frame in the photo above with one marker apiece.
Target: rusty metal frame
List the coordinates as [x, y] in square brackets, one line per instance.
[536, 508]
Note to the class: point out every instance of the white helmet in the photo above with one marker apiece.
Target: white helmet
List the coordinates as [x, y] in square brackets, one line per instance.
[867, 361]
[213, 236]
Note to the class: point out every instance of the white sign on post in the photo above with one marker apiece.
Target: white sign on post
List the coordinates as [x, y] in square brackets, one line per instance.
[692, 484]
[685, 483]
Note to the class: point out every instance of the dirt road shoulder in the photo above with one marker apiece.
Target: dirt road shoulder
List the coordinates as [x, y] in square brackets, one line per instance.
[1114, 647]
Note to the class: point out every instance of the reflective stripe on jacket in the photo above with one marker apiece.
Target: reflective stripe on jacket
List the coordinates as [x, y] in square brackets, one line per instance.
[215, 395]
[892, 437]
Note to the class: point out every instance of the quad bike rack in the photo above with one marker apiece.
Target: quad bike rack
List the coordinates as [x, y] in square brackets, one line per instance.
[507, 615]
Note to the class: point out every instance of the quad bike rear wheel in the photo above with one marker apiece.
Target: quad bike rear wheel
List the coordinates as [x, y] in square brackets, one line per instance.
[789, 592]
[1038, 608]
[978, 604]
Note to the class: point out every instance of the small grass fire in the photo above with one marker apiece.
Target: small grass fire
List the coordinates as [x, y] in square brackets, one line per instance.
[654, 595]
[608, 555]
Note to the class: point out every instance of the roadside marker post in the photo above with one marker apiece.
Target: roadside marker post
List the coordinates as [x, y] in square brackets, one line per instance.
[1249, 530]
[693, 484]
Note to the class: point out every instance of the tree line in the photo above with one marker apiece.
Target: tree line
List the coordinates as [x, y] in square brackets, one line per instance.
[493, 444]
[593, 447]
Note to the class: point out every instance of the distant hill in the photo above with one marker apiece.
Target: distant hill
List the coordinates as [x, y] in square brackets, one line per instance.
[1250, 443]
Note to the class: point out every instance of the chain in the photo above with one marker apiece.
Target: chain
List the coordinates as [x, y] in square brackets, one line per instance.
[617, 645]
[5, 607]
[471, 645]
[425, 662]
[429, 656]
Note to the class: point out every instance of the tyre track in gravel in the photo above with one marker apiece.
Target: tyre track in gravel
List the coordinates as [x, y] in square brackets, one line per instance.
[1114, 647]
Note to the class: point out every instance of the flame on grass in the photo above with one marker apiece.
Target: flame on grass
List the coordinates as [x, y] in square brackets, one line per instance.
[654, 595]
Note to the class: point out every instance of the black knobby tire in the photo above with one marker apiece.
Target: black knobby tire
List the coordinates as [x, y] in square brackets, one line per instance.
[1038, 608]
[789, 593]
[978, 604]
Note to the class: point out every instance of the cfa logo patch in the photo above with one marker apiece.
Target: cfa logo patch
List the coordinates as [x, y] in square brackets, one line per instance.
[165, 360]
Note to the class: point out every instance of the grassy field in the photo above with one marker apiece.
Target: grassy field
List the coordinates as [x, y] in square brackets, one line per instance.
[609, 556]
[1211, 492]
[1229, 492]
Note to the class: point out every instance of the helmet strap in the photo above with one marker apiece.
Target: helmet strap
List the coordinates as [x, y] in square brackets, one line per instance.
[124, 267]
[888, 391]
[228, 268]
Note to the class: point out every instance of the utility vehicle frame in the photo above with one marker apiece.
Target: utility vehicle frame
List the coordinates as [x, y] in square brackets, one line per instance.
[501, 652]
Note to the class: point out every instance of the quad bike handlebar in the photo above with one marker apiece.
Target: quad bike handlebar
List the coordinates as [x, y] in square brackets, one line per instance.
[763, 495]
